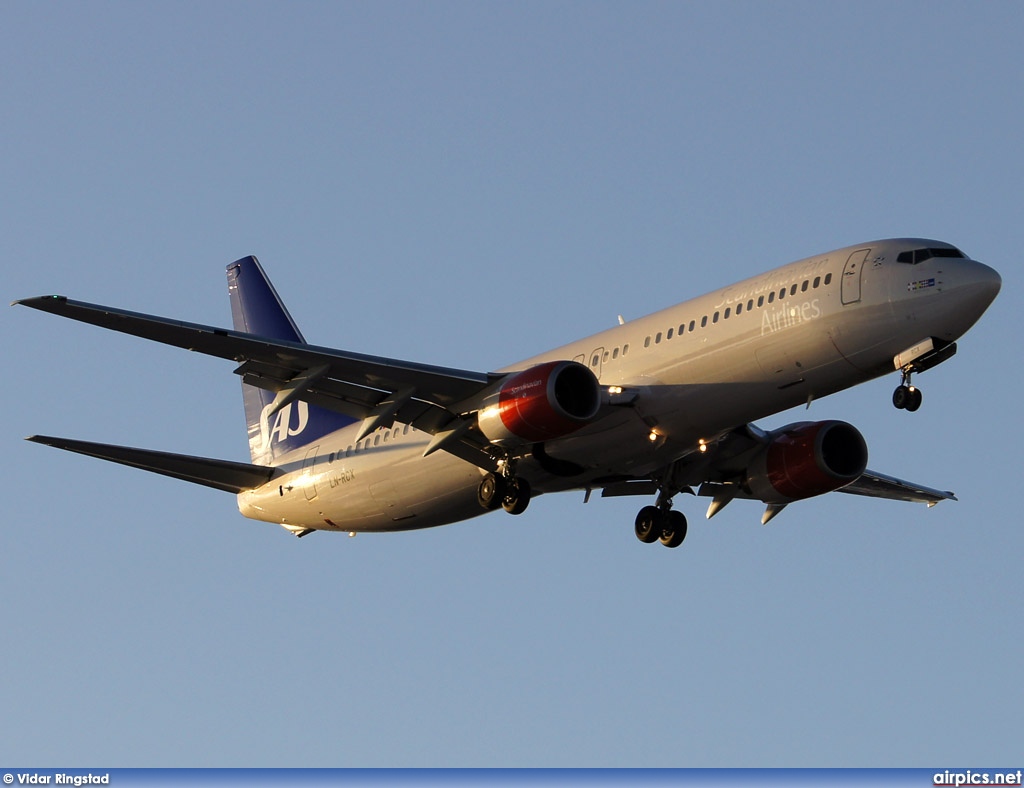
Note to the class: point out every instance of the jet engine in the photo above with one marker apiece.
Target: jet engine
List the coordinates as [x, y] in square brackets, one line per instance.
[543, 402]
[807, 459]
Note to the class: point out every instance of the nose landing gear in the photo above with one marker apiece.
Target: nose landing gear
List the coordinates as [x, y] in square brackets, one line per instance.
[928, 353]
[906, 396]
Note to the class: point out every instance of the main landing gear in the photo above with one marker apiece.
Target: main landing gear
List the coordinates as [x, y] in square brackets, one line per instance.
[510, 492]
[906, 396]
[654, 524]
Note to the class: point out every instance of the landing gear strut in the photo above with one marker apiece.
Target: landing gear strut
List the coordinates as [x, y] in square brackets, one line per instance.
[906, 396]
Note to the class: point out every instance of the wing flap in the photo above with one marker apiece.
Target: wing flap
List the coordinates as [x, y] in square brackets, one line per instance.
[234, 477]
[375, 406]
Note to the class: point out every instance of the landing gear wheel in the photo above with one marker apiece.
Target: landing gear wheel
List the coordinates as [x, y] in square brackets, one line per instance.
[649, 524]
[674, 531]
[907, 398]
[517, 496]
[491, 492]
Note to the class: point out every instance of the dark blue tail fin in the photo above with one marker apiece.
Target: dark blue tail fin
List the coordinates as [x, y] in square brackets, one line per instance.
[257, 309]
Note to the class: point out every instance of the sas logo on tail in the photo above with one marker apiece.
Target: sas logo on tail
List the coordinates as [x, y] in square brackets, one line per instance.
[290, 421]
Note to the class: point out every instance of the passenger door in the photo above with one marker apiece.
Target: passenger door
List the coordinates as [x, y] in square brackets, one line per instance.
[849, 290]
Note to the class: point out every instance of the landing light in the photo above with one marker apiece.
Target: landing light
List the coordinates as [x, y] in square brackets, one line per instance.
[615, 389]
[702, 446]
[652, 436]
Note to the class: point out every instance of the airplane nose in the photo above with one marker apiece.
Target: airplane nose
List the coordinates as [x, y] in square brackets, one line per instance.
[975, 284]
[984, 281]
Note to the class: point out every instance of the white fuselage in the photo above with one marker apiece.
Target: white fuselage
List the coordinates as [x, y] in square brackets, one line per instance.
[691, 373]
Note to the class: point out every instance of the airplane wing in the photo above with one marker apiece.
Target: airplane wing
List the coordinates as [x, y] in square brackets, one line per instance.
[878, 485]
[380, 390]
[871, 484]
[723, 474]
[220, 474]
[435, 384]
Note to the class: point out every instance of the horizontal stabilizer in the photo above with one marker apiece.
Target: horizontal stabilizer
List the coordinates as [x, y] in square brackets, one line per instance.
[224, 475]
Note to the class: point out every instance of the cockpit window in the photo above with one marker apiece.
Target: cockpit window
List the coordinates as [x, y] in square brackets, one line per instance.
[920, 255]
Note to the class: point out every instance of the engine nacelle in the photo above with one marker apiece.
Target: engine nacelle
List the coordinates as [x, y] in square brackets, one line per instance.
[541, 403]
[807, 459]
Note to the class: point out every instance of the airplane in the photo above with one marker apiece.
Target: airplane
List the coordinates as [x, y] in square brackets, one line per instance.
[657, 406]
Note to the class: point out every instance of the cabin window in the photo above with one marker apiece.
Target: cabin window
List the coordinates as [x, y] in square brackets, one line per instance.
[647, 342]
[750, 304]
[817, 282]
[693, 325]
[760, 300]
[792, 290]
[715, 318]
[704, 321]
[804, 286]
[739, 308]
[669, 334]
[657, 338]
[828, 278]
[625, 349]
[615, 353]
[771, 297]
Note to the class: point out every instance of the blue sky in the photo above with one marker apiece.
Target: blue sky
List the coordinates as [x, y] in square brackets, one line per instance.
[468, 184]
